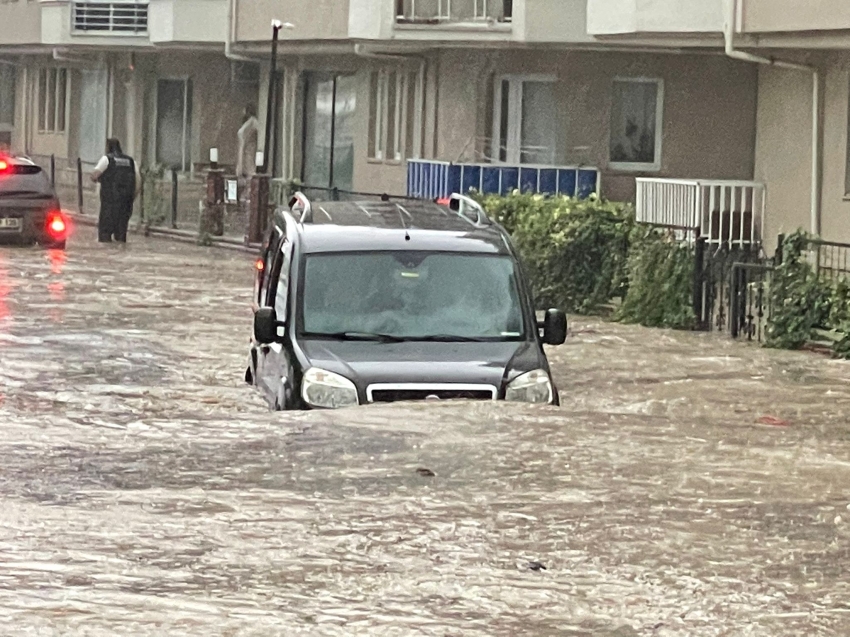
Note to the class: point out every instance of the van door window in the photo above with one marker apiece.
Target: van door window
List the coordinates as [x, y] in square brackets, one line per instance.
[268, 265]
[278, 280]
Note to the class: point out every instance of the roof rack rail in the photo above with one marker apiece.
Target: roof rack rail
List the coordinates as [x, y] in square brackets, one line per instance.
[301, 207]
[462, 205]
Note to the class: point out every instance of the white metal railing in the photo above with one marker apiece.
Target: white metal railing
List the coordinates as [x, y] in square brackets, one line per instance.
[439, 11]
[721, 211]
[120, 17]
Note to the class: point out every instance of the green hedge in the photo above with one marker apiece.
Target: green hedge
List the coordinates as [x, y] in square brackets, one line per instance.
[575, 250]
[661, 275]
[805, 307]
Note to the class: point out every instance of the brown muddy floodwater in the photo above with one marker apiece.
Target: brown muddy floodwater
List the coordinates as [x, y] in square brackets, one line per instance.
[146, 491]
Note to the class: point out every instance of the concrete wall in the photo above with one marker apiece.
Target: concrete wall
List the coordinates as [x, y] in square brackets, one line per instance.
[20, 22]
[313, 19]
[835, 201]
[613, 17]
[551, 21]
[187, 20]
[783, 148]
[795, 15]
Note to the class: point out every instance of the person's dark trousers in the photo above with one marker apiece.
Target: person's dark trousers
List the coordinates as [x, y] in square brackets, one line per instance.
[122, 213]
[106, 221]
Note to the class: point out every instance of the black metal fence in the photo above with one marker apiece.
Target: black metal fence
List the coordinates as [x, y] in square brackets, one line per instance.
[750, 284]
[714, 263]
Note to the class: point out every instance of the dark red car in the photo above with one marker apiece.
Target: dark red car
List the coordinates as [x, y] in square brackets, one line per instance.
[29, 208]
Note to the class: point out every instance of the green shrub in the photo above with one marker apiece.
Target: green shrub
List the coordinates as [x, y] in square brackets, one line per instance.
[661, 274]
[801, 302]
[574, 250]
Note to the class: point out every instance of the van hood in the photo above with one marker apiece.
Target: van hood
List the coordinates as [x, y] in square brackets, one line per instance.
[369, 362]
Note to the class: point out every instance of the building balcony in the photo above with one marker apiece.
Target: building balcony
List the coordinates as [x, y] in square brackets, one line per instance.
[114, 18]
[132, 22]
[443, 12]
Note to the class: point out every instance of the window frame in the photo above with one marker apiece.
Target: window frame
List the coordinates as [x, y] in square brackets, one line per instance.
[628, 166]
[9, 73]
[264, 286]
[513, 143]
[407, 83]
[283, 265]
[48, 100]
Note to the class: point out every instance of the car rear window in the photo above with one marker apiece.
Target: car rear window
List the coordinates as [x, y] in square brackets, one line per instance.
[23, 178]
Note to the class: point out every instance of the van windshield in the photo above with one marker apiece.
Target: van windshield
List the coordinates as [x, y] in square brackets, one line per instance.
[411, 296]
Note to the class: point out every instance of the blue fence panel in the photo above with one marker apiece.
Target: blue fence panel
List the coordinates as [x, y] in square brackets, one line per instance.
[587, 180]
[548, 181]
[433, 179]
[567, 182]
[491, 178]
[528, 179]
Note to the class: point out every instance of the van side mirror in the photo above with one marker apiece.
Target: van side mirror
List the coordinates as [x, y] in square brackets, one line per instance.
[265, 325]
[554, 327]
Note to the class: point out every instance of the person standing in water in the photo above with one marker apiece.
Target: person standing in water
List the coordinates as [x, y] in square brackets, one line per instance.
[119, 185]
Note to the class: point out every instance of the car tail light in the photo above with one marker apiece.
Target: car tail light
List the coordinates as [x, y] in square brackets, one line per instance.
[4, 165]
[57, 227]
[260, 265]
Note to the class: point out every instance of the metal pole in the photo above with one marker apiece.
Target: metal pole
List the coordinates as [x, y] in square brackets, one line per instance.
[80, 185]
[174, 198]
[333, 135]
[734, 293]
[699, 265]
[276, 27]
[53, 170]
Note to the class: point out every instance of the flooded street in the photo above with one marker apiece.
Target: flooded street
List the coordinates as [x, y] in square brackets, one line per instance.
[688, 486]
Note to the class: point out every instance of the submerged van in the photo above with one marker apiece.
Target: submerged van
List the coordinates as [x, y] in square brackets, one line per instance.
[360, 302]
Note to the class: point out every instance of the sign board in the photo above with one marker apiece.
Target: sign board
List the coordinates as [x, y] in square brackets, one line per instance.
[232, 195]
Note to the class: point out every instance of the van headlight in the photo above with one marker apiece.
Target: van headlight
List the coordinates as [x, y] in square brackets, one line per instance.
[531, 387]
[321, 388]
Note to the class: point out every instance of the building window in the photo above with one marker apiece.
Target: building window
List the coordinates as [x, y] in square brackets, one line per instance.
[52, 100]
[436, 11]
[174, 123]
[636, 123]
[524, 120]
[395, 115]
[7, 103]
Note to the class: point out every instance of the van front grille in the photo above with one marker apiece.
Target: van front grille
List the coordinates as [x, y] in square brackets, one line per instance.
[399, 393]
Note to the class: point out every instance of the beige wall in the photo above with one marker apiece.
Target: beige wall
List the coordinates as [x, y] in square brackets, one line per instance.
[217, 104]
[187, 20]
[835, 203]
[709, 112]
[613, 17]
[709, 109]
[795, 15]
[783, 149]
[20, 22]
[313, 19]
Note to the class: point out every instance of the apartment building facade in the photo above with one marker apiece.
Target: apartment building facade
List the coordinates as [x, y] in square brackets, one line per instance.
[366, 88]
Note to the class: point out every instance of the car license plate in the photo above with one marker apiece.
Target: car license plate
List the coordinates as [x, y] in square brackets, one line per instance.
[10, 223]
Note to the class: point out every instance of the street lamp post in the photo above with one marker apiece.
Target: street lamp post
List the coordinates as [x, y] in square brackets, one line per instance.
[276, 27]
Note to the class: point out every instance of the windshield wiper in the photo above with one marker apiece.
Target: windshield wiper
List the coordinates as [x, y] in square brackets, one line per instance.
[356, 336]
[450, 338]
